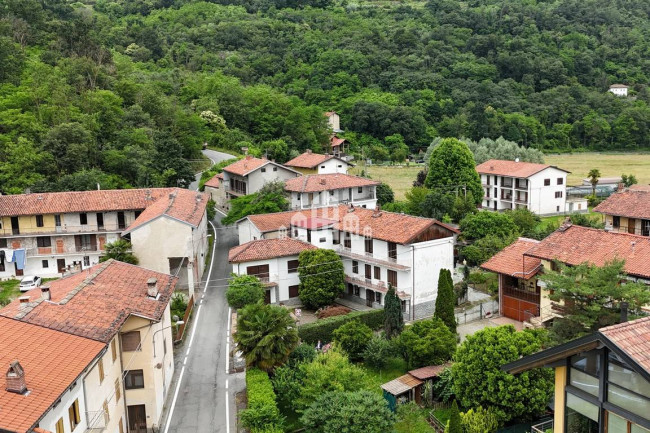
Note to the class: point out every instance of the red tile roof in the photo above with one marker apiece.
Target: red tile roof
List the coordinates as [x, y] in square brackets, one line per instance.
[263, 249]
[429, 372]
[336, 142]
[308, 160]
[631, 203]
[633, 338]
[513, 261]
[215, 181]
[96, 302]
[79, 201]
[52, 361]
[329, 113]
[326, 182]
[501, 167]
[387, 226]
[246, 165]
[314, 223]
[575, 245]
[180, 204]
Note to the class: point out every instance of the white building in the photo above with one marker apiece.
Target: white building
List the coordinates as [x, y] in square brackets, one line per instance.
[378, 248]
[333, 121]
[274, 262]
[619, 89]
[316, 163]
[320, 190]
[249, 175]
[539, 188]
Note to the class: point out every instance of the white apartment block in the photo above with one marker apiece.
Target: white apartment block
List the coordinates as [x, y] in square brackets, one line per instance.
[320, 190]
[508, 185]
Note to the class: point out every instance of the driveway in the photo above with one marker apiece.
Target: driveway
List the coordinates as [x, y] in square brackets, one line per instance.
[215, 157]
[202, 396]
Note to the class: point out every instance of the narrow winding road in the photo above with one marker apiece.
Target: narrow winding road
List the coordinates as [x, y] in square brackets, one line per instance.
[202, 395]
[215, 157]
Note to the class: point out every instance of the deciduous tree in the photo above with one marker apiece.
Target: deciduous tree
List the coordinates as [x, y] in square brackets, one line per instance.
[244, 290]
[321, 275]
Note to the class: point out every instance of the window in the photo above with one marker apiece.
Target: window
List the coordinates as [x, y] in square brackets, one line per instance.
[560, 181]
[118, 390]
[292, 266]
[57, 220]
[322, 166]
[332, 192]
[547, 182]
[355, 267]
[263, 170]
[261, 272]
[377, 273]
[340, 166]
[86, 260]
[360, 189]
[392, 250]
[275, 169]
[105, 410]
[131, 341]
[357, 291]
[584, 381]
[83, 218]
[293, 291]
[134, 379]
[73, 414]
[347, 241]
[100, 366]
[114, 350]
[404, 302]
[616, 221]
[39, 221]
[581, 416]
[335, 237]
[368, 242]
[558, 194]
[392, 278]
[164, 347]
[322, 240]
[378, 297]
[45, 264]
[43, 241]
[368, 271]
[59, 426]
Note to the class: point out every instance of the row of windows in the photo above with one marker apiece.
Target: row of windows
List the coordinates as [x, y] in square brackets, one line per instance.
[392, 275]
[560, 181]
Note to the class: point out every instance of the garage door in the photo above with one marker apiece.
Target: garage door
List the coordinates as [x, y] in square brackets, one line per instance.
[514, 308]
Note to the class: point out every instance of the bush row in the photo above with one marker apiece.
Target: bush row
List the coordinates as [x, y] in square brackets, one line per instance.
[322, 330]
[262, 414]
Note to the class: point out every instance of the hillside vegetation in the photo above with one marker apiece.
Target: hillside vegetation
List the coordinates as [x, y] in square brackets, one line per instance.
[124, 93]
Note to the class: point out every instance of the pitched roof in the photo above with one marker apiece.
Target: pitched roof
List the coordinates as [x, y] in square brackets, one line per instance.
[180, 204]
[618, 86]
[215, 181]
[263, 249]
[631, 203]
[513, 261]
[79, 201]
[575, 245]
[387, 226]
[96, 302]
[308, 160]
[401, 384]
[633, 338]
[502, 167]
[50, 368]
[326, 182]
[336, 142]
[314, 223]
[429, 371]
[249, 164]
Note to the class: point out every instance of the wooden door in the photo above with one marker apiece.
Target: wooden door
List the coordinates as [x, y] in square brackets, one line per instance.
[631, 225]
[19, 272]
[60, 265]
[370, 296]
[137, 418]
[267, 296]
[15, 227]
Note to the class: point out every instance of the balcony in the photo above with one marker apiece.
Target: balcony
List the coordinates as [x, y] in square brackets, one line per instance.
[544, 427]
[377, 287]
[64, 229]
[55, 251]
[522, 295]
[388, 262]
[521, 185]
[236, 192]
[521, 199]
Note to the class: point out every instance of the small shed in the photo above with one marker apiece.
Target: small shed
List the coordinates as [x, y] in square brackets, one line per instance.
[429, 373]
[402, 390]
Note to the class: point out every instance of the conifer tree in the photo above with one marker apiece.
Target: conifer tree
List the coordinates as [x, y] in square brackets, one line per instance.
[445, 301]
[393, 317]
[454, 425]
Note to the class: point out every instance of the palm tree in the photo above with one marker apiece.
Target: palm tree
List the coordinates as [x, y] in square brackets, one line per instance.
[594, 175]
[266, 335]
[119, 250]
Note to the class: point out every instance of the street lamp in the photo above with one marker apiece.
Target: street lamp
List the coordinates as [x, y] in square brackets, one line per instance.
[153, 339]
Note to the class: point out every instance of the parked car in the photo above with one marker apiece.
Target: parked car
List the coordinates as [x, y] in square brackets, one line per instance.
[29, 282]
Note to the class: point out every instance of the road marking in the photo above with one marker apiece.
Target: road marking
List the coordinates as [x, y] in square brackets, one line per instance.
[194, 326]
[228, 341]
[226, 383]
[227, 414]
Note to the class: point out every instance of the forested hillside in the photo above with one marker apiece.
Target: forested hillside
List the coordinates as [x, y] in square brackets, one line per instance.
[124, 92]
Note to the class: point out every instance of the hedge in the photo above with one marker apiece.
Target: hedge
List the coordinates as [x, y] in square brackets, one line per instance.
[262, 414]
[322, 329]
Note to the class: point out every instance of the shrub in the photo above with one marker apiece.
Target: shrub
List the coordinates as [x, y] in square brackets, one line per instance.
[178, 305]
[244, 290]
[287, 381]
[262, 412]
[353, 338]
[331, 311]
[322, 330]
[443, 388]
[454, 425]
[302, 353]
[378, 351]
[427, 342]
[479, 420]
[321, 275]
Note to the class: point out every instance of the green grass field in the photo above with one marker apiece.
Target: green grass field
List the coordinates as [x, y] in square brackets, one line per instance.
[400, 178]
[8, 291]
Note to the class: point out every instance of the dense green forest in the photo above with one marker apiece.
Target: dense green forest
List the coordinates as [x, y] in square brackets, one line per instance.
[124, 92]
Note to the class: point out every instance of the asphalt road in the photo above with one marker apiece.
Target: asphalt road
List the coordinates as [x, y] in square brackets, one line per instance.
[205, 400]
[215, 157]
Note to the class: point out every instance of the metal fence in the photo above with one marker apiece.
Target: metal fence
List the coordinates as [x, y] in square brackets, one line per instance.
[477, 312]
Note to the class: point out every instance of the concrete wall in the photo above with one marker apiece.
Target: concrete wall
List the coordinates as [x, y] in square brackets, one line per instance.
[61, 410]
[257, 179]
[153, 249]
[278, 273]
[247, 232]
[428, 259]
[333, 166]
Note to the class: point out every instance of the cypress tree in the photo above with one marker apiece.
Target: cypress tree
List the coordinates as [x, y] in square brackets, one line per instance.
[445, 301]
[454, 425]
[393, 317]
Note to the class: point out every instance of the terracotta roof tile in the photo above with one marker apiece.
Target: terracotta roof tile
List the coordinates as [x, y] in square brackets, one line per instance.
[180, 204]
[575, 245]
[308, 160]
[336, 142]
[387, 226]
[632, 338]
[262, 249]
[79, 201]
[632, 203]
[429, 372]
[96, 302]
[215, 181]
[326, 182]
[513, 261]
[511, 168]
[246, 165]
[45, 356]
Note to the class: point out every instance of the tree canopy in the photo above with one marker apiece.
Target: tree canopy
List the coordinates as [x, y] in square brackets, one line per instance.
[321, 277]
[244, 290]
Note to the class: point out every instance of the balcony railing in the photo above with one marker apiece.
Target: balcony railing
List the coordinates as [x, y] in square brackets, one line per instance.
[64, 229]
[380, 286]
[54, 251]
[523, 295]
[544, 427]
[388, 262]
[237, 192]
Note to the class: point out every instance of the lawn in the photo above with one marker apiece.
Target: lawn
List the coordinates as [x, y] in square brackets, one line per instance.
[609, 164]
[399, 177]
[8, 291]
[375, 378]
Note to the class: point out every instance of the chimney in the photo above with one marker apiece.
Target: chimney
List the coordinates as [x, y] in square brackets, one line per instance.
[172, 195]
[322, 181]
[565, 224]
[24, 301]
[624, 306]
[377, 212]
[620, 187]
[45, 292]
[152, 287]
[308, 151]
[16, 378]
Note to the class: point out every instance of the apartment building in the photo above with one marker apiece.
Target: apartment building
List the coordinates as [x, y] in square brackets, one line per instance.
[120, 312]
[249, 175]
[316, 163]
[274, 262]
[320, 190]
[540, 188]
[378, 248]
[627, 210]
